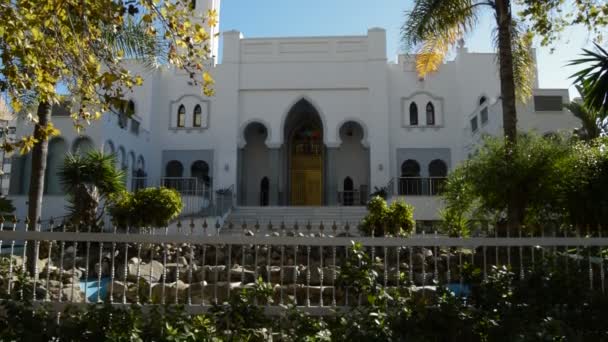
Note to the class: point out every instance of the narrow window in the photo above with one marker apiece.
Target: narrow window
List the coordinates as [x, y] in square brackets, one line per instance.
[181, 116]
[430, 114]
[197, 118]
[131, 108]
[413, 114]
[474, 124]
[484, 115]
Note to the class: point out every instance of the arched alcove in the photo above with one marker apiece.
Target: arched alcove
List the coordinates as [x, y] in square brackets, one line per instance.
[351, 160]
[255, 162]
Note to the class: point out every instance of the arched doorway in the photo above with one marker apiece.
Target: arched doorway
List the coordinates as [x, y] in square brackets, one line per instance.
[305, 155]
[349, 188]
[264, 192]
[255, 163]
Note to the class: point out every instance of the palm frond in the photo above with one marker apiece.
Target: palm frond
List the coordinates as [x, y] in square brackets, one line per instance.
[523, 63]
[133, 41]
[590, 119]
[593, 79]
[433, 51]
[94, 168]
[433, 26]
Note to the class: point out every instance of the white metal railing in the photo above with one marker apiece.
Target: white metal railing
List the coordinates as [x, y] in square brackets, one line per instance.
[420, 186]
[198, 268]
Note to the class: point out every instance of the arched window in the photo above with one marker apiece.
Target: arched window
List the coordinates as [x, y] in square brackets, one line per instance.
[264, 192]
[121, 158]
[181, 116]
[130, 108]
[174, 169]
[413, 114]
[349, 193]
[430, 114]
[57, 150]
[438, 170]
[197, 118]
[200, 171]
[108, 148]
[410, 168]
[83, 145]
[140, 180]
[482, 100]
[410, 182]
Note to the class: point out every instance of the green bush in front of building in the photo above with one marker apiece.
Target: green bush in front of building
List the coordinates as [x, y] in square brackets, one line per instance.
[396, 219]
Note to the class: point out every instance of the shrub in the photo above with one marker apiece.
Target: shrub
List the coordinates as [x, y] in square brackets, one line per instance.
[151, 207]
[396, 219]
[6, 206]
[553, 179]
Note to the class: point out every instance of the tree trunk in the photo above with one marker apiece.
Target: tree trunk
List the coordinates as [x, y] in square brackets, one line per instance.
[504, 21]
[39, 158]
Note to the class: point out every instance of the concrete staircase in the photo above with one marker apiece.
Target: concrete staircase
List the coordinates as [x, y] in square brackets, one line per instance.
[302, 215]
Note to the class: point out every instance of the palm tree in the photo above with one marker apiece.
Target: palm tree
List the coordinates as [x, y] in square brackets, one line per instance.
[433, 26]
[594, 79]
[129, 40]
[89, 180]
[591, 119]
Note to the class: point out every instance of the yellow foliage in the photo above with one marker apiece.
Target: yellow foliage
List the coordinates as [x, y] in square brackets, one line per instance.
[433, 50]
[65, 42]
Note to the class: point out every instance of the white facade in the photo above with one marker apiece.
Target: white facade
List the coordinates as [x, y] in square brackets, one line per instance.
[345, 79]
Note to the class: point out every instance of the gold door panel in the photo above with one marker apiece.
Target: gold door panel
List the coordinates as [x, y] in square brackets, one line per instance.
[306, 167]
[306, 188]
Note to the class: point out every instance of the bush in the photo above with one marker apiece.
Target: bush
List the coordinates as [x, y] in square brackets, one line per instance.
[553, 180]
[396, 219]
[151, 207]
[6, 206]
[550, 304]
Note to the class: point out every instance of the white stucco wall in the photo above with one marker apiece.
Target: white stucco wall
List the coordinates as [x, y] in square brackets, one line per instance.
[346, 78]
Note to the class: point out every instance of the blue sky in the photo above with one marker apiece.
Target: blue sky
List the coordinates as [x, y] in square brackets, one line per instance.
[276, 18]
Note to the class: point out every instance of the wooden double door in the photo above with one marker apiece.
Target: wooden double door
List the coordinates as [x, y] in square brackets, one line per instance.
[306, 174]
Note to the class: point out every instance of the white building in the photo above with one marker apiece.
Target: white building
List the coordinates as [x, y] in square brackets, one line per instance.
[315, 121]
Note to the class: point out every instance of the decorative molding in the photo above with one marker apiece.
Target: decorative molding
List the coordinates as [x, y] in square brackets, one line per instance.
[201, 101]
[422, 109]
[242, 141]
